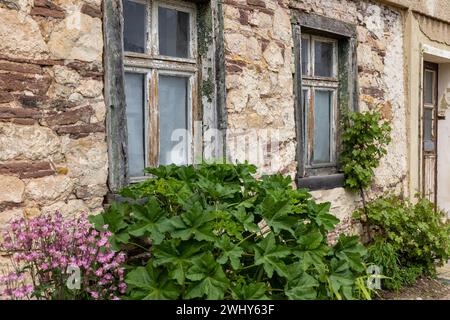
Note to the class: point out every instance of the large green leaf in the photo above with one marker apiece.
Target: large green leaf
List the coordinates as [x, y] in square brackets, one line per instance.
[312, 258]
[250, 291]
[150, 283]
[269, 254]
[323, 218]
[302, 286]
[195, 223]
[246, 219]
[349, 249]
[218, 190]
[341, 284]
[311, 240]
[114, 217]
[275, 213]
[229, 252]
[151, 221]
[176, 256]
[208, 278]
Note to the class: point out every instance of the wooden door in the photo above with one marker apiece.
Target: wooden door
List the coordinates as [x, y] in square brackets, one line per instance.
[429, 132]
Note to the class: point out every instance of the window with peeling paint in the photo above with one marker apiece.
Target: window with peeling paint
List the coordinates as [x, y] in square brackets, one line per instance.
[320, 85]
[161, 68]
[325, 82]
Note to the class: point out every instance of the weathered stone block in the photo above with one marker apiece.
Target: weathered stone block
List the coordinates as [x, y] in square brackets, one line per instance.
[25, 169]
[79, 37]
[69, 117]
[27, 142]
[65, 75]
[11, 189]
[67, 208]
[87, 159]
[87, 70]
[49, 188]
[90, 88]
[93, 11]
[21, 36]
[8, 113]
[6, 217]
[273, 56]
[80, 130]
[20, 67]
[37, 84]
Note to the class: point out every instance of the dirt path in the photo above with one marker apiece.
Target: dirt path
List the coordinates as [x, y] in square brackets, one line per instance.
[425, 288]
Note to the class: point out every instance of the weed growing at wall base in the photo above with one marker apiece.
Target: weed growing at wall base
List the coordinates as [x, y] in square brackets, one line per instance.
[410, 239]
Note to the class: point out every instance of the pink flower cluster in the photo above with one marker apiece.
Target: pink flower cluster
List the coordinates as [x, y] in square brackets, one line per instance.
[42, 248]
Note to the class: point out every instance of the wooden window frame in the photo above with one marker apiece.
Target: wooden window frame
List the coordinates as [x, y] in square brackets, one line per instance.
[210, 104]
[152, 64]
[344, 34]
[312, 83]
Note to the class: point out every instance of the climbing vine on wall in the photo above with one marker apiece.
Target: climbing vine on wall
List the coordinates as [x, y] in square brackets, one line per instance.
[364, 140]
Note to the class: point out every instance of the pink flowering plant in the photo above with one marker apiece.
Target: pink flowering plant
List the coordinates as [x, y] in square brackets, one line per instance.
[56, 258]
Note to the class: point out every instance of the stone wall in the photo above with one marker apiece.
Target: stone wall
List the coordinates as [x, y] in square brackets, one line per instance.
[259, 82]
[53, 154]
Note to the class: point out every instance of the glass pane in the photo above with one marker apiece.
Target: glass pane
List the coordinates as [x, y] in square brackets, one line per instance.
[322, 126]
[173, 120]
[304, 99]
[428, 130]
[305, 56]
[305, 107]
[134, 92]
[428, 86]
[323, 59]
[173, 32]
[134, 16]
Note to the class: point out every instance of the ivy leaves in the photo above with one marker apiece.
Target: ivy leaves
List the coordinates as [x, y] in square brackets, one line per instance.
[213, 231]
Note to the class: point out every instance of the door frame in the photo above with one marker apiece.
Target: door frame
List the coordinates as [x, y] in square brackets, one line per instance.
[430, 66]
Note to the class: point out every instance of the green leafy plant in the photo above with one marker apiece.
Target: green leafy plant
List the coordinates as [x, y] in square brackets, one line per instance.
[410, 239]
[214, 231]
[364, 141]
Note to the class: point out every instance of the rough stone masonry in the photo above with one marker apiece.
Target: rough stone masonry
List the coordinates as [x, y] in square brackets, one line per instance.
[53, 153]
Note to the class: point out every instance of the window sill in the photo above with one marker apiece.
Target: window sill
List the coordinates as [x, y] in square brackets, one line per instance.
[321, 182]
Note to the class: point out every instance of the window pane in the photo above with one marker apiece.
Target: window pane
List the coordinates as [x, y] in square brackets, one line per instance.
[305, 99]
[134, 16]
[428, 86]
[305, 56]
[322, 126]
[173, 32]
[428, 130]
[134, 92]
[173, 115]
[323, 59]
[304, 110]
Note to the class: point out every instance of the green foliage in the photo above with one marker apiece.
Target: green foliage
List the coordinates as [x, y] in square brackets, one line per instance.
[196, 232]
[411, 239]
[364, 141]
